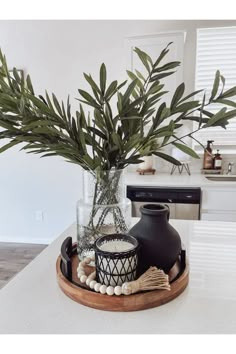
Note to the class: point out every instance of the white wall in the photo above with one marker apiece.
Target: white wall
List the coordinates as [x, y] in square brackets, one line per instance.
[56, 53]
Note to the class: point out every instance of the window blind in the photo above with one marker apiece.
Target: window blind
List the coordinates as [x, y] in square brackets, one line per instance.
[216, 50]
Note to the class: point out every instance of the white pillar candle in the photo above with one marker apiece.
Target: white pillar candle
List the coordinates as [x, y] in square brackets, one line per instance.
[116, 246]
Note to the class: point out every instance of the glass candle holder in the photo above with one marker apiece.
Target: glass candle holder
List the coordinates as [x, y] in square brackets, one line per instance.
[116, 259]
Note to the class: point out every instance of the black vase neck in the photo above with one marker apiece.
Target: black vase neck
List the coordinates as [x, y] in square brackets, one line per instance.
[154, 210]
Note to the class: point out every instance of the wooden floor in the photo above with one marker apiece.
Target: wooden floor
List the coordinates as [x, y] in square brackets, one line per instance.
[14, 257]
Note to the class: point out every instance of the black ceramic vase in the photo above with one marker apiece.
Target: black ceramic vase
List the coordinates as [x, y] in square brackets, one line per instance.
[160, 242]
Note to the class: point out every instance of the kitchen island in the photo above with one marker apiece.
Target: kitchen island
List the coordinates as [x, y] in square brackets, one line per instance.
[33, 303]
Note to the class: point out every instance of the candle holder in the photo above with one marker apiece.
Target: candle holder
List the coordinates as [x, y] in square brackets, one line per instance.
[116, 259]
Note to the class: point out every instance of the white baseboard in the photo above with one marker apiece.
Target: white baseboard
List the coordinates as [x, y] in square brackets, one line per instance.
[12, 239]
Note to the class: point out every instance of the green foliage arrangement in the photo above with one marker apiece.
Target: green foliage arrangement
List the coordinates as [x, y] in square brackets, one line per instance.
[108, 139]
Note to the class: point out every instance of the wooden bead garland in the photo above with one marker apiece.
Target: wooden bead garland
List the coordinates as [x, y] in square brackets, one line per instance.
[152, 279]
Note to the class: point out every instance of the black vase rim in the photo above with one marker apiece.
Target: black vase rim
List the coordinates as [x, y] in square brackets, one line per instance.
[154, 209]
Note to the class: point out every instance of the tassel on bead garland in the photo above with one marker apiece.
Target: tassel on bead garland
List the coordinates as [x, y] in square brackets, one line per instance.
[152, 279]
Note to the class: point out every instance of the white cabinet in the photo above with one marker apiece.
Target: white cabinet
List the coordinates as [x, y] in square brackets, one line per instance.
[218, 204]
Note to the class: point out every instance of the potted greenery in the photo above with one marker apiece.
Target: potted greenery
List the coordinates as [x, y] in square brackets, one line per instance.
[146, 156]
[109, 140]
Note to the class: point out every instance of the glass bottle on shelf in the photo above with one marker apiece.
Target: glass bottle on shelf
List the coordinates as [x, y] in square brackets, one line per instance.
[217, 161]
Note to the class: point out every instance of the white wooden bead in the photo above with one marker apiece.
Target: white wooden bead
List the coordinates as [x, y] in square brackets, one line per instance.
[103, 289]
[83, 278]
[126, 289]
[81, 265]
[80, 273]
[110, 290]
[97, 287]
[117, 290]
[88, 281]
[92, 284]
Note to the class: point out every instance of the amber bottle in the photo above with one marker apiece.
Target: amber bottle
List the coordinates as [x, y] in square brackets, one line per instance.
[208, 158]
[217, 161]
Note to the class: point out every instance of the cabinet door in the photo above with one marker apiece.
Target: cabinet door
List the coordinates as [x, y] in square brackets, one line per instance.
[219, 199]
[218, 204]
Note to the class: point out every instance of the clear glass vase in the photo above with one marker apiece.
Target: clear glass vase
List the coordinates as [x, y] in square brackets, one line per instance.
[103, 210]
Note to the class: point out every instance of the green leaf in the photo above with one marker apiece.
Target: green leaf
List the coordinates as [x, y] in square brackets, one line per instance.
[16, 75]
[121, 85]
[131, 117]
[111, 90]
[223, 83]
[140, 75]
[155, 98]
[219, 115]
[201, 112]
[226, 102]
[97, 132]
[134, 104]
[162, 55]
[37, 123]
[103, 78]
[230, 114]
[161, 76]
[190, 95]
[187, 150]
[155, 87]
[206, 113]
[185, 107]
[116, 139]
[39, 104]
[196, 119]
[168, 66]
[215, 85]
[49, 103]
[177, 95]
[29, 84]
[133, 77]
[143, 57]
[8, 146]
[119, 102]
[92, 83]
[167, 157]
[129, 91]
[57, 105]
[148, 58]
[88, 98]
[229, 93]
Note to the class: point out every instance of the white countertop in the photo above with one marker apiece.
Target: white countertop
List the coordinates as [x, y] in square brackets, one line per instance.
[175, 180]
[33, 303]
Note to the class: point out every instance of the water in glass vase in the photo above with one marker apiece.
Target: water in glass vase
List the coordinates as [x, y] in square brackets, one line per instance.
[103, 210]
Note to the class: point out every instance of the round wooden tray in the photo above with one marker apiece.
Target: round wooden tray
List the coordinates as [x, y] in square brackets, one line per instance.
[141, 301]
